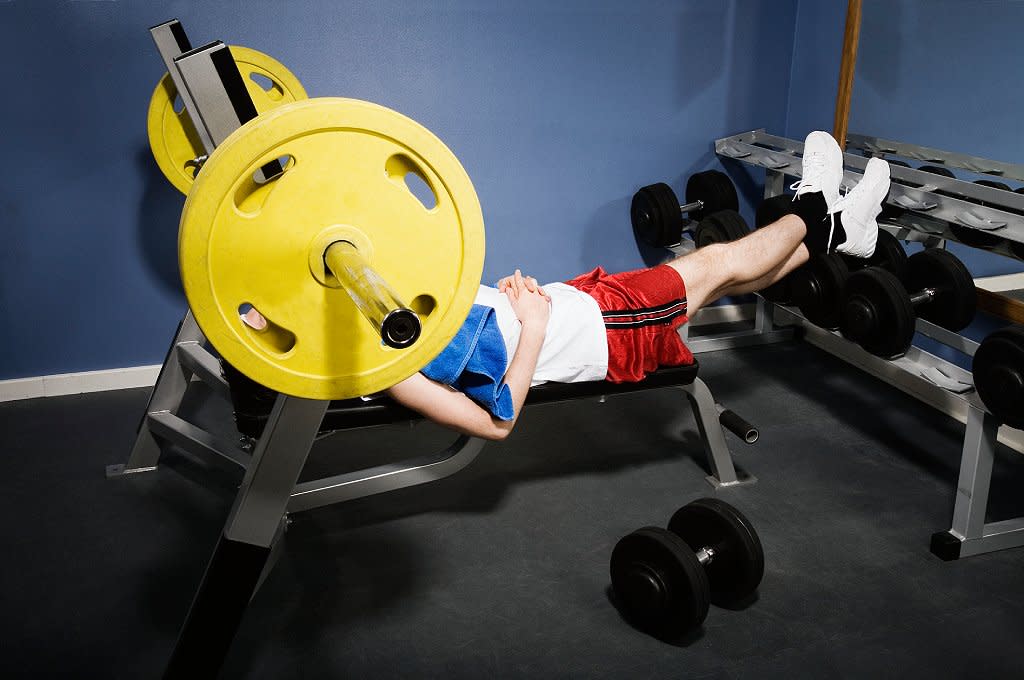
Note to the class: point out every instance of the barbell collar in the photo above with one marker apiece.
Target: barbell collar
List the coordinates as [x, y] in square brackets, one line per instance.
[925, 295]
[397, 325]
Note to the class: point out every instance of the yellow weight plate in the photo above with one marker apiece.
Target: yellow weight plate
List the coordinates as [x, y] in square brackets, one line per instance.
[173, 138]
[353, 171]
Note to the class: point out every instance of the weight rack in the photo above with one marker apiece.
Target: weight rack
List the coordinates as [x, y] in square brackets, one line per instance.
[924, 216]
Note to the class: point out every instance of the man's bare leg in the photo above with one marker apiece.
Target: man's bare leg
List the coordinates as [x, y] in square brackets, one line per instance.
[743, 266]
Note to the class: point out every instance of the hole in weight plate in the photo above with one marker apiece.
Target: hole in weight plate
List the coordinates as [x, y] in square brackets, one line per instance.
[273, 90]
[254, 191]
[423, 305]
[402, 168]
[270, 336]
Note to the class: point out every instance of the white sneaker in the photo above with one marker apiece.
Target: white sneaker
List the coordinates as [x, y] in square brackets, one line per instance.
[822, 168]
[860, 207]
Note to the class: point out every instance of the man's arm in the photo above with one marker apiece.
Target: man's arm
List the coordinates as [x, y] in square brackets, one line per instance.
[454, 409]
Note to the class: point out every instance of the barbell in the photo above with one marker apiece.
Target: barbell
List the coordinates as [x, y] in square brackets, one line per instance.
[173, 139]
[665, 579]
[657, 216]
[362, 281]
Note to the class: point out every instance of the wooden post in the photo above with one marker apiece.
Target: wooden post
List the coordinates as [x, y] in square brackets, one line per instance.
[846, 68]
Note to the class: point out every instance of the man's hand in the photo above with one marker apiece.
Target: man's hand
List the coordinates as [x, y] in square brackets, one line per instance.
[531, 305]
[508, 283]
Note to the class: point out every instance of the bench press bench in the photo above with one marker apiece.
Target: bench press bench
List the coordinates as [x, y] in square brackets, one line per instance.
[252, 404]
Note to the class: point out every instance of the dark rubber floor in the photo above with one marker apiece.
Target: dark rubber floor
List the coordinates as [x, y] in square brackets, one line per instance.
[502, 570]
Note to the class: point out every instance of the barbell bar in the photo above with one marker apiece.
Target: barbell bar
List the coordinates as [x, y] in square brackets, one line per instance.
[397, 325]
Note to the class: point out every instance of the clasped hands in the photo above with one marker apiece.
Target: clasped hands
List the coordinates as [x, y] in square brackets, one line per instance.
[529, 301]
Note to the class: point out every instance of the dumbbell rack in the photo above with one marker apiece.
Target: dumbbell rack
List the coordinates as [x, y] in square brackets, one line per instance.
[924, 216]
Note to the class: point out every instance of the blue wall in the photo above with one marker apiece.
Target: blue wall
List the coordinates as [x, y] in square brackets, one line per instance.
[559, 112]
[817, 53]
[945, 74]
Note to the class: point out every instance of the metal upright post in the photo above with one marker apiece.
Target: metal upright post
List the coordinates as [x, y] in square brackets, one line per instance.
[217, 102]
[253, 528]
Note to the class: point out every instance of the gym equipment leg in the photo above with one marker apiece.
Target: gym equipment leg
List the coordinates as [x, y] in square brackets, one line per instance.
[185, 358]
[250, 535]
[705, 412]
[970, 535]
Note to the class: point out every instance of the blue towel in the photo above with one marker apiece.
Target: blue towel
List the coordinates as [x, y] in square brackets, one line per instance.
[474, 363]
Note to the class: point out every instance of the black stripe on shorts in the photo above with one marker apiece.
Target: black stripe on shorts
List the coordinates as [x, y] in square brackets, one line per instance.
[645, 316]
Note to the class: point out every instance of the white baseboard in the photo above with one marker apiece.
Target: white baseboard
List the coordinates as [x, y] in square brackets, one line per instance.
[77, 383]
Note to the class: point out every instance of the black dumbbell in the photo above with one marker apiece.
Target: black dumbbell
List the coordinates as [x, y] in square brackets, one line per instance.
[820, 289]
[665, 579]
[657, 216]
[998, 368]
[877, 312]
[817, 287]
[720, 227]
[889, 255]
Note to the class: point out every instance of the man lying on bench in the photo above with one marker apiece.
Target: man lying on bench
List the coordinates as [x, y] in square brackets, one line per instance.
[620, 327]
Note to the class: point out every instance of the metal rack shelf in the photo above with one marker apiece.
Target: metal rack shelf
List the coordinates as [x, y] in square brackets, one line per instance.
[877, 146]
[927, 204]
[924, 207]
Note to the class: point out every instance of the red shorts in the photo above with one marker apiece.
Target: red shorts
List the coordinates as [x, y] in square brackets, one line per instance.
[642, 310]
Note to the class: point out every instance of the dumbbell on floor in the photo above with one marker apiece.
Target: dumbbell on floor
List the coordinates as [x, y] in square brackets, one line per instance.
[998, 369]
[657, 215]
[665, 579]
[877, 312]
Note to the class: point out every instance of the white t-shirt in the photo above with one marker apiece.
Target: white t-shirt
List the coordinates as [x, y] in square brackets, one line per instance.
[575, 344]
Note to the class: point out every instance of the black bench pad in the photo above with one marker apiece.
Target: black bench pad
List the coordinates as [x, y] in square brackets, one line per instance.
[252, 402]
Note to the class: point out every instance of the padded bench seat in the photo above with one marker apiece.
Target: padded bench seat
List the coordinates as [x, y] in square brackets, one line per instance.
[252, 402]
